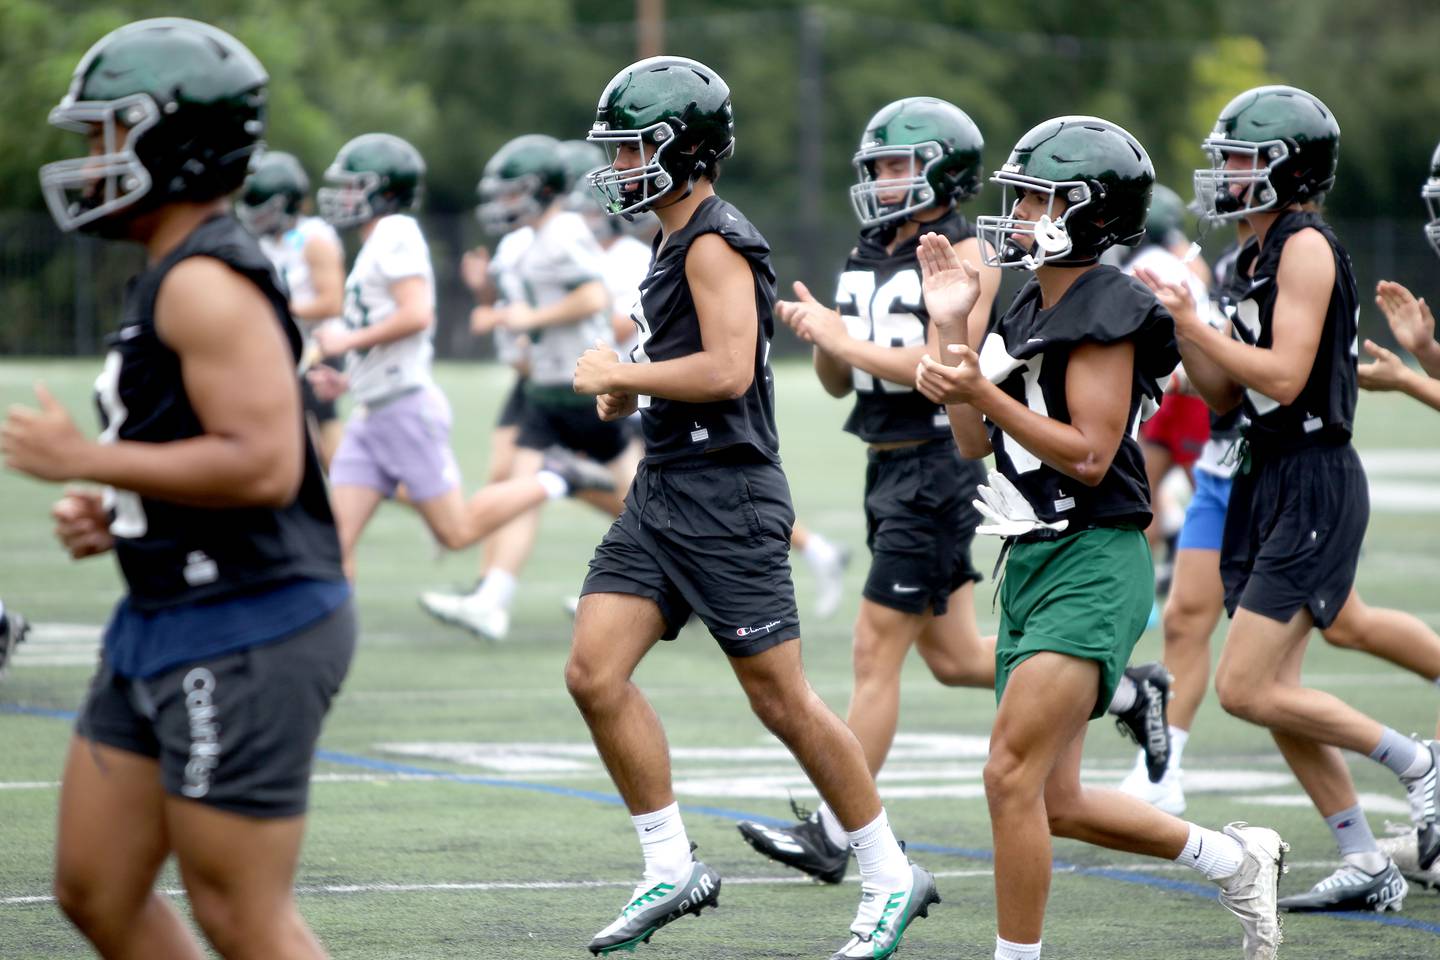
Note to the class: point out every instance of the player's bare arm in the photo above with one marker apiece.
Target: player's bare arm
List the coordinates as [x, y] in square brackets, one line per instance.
[239, 376]
[1389, 372]
[413, 313]
[327, 278]
[724, 290]
[1305, 280]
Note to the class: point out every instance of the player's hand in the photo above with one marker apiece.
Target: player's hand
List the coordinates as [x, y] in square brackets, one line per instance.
[82, 524]
[1388, 372]
[327, 382]
[484, 320]
[951, 286]
[1178, 301]
[44, 443]
[812, 321]
[950, 383]
[475, 270]
[333, 339]
[616, 406]
[517, 317]
[1410, 319]
[594, 369]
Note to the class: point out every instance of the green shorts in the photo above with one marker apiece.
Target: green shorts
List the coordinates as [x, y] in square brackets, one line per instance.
[1087, 595]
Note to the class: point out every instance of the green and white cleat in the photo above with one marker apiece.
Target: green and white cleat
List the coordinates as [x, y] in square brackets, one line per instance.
[655, 905]
[884, 917]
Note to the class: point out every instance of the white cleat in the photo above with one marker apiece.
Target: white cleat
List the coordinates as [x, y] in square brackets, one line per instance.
[1403, 848]
[830, 582]
[465, 611]
[1251, 893]
[1167, 796]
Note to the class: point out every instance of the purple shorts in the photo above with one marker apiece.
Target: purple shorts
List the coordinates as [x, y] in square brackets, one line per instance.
[405, 440]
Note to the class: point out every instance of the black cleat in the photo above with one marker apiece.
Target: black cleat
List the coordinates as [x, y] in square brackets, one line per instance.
[1146, 722]
[1350, 888]
[13, 628]
[656, 905]
[1424, 793]
[803, 846]
[578, 473]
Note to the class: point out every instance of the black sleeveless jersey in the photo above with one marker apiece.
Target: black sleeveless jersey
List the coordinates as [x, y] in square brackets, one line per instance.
[170, 553]
[669, 329]
[1227, 426]
[1326, 404]
[880, 298]
[1026, 353]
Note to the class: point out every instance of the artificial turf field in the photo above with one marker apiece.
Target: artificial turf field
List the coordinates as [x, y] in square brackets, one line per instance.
[460, 811]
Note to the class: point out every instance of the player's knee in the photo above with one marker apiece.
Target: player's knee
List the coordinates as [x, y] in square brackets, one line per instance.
[1239, 696]
[868, 652]
[453, 536]
[1343, 633]
[773, 709]
[1006, 775]
[585, 683]
[80, 901]
[1181, 622]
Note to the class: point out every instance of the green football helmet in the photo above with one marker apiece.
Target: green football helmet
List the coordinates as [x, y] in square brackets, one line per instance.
[943, 146]
[177, 106]
[1103, 174]
[581, 158]
[676, 107]
[373, 176]
[520, 181]
[1293, 145]
[273, 194]
[1165, 224]
[1430, 193]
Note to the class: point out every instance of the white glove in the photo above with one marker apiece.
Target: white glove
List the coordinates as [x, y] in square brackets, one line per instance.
[1006, 511]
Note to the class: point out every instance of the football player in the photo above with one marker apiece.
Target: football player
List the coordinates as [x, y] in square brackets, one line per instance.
[13, 629]
[400, 431]
[1070, 497]
[706, 525]
[1300, 502]
[198, 733]
[308, 255]
[556, 298]
[1197, 596]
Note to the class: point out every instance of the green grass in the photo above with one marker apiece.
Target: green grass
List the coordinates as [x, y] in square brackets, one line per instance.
[465, 861]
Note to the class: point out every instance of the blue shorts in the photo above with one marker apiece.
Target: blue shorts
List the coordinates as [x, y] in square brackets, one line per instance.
[1205, 517]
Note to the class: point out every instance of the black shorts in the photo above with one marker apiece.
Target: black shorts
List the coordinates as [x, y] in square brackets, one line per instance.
[1293, 532]
[712, 538]
[920, 520]
[572, 424]
[236, 732]
[322, 411]
[514, 409]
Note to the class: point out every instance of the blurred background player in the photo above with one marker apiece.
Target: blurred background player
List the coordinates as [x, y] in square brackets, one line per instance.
[706, 525]
[399, 432]
[1176, 434]
[1299, 505]
[219, 665]
[307, 253]
[1069, 495]
[554, 296]
[13, 628]
[918, 160]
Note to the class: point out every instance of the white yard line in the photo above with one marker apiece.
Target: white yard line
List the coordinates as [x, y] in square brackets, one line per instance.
[497, 885]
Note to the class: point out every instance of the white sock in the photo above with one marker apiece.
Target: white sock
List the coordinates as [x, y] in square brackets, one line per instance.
[1005, 950]
[664, 843]
[819, 552]
[1372, 862]
[1211, 853]
[833, 831]
[1178, 738]
[881, 860]
[1125, 694]
[1420, 765]
[555, 486]
[497, 589]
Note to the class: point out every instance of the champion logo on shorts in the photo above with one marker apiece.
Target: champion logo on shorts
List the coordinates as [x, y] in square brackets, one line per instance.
[199, 689]
[752, 631]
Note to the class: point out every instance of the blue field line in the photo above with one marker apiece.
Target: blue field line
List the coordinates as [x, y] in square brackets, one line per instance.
[1109, 873]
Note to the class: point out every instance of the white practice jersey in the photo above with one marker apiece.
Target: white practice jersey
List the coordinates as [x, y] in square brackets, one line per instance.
[396, 250]
[510, 348]
[562, 256]
[627, 260]
[287, 252]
